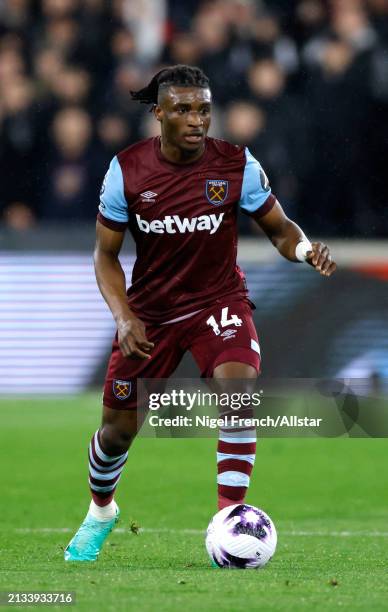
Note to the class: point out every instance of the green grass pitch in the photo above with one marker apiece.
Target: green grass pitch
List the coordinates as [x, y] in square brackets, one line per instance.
[327, 497]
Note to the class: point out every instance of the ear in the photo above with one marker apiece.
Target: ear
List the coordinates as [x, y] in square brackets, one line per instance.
[158, 112]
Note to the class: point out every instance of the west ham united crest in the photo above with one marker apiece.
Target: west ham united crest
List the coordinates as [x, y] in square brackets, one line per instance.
[216, 191]
[122, 389]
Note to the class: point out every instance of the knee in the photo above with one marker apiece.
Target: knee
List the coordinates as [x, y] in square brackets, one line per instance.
[114, 439]
[235, 377]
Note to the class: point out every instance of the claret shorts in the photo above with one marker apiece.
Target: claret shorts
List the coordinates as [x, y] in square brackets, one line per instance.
[218, 334]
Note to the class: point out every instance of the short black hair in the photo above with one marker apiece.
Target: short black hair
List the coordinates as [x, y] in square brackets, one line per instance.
[179, 75]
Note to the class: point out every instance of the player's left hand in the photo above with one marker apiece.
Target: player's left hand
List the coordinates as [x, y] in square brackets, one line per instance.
[320, 259]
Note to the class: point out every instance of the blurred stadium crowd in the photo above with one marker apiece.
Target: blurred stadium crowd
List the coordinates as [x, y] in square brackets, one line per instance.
[303, 83]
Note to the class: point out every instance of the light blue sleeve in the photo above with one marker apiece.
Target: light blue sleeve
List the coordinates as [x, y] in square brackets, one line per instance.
[255, 186]
[113, 204]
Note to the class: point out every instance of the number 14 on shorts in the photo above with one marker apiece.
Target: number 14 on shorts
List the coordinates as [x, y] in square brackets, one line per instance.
[224, 322]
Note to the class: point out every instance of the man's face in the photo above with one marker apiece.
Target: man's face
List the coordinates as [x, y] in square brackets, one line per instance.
[185, 116]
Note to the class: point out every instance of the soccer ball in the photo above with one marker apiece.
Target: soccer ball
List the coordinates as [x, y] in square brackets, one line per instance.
[241, 537]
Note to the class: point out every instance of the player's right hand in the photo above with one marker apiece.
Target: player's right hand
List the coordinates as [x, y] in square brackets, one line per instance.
[132, 338]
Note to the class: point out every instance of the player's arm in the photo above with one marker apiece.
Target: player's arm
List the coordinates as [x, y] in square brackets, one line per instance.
[287, 237]
[258, 202]
[111, 226]
[111, 282]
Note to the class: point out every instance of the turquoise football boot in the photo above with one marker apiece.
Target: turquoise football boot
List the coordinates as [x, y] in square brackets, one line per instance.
[88, 541]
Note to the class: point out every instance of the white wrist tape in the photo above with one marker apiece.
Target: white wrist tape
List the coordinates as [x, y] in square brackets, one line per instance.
[302, 249]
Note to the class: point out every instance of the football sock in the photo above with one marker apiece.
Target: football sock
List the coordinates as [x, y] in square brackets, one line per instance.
[236, 452]
[103, 513]
[104, 472]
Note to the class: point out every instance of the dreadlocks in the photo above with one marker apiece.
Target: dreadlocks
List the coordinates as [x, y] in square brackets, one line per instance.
[180, 75]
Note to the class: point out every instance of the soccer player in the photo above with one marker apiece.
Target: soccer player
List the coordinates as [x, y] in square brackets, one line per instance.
[179, 194]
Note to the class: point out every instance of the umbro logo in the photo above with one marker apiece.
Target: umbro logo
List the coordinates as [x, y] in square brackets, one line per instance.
[148, 196]
[229, 333]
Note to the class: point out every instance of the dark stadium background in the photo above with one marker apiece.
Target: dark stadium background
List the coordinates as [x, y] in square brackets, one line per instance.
[303, 83]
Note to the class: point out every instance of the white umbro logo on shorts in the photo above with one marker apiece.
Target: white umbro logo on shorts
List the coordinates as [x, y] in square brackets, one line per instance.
[229, 333]
[148, 196]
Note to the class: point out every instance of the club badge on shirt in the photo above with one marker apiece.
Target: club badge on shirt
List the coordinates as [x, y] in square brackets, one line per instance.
[122, 389]
[216, 191]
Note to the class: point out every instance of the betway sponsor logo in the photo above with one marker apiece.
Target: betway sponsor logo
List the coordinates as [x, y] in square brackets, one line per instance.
[173, 224]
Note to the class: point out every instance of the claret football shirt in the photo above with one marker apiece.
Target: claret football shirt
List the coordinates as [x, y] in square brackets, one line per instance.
[183, 219]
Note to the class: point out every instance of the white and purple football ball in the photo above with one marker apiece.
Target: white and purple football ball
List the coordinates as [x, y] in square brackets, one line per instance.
[241, 537]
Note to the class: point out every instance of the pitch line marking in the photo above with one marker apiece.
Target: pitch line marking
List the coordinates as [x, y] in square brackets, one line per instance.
[336, 534]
